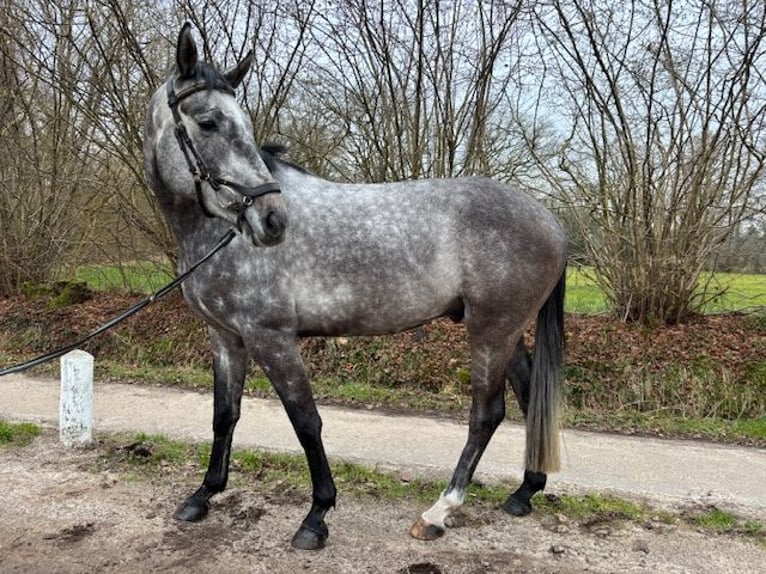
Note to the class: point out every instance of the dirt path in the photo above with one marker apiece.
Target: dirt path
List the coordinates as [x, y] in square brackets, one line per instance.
[62, 516]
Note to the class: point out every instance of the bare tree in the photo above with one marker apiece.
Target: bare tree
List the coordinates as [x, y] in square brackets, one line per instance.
[416, 84]
[80, 73]
[49, 185]
[662, 110]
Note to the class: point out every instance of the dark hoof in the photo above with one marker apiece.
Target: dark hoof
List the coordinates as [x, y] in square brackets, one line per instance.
[516, 508]
[310, 539]
[191, 510]
[423, 530]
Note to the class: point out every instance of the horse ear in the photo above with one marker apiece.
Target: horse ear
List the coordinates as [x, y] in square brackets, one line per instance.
[186, 52]
[235, 75]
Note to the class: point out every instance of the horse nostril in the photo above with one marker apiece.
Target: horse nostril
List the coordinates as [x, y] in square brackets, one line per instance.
[274, 224]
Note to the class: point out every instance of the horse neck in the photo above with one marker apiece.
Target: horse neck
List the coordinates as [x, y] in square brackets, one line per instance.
[194, 231]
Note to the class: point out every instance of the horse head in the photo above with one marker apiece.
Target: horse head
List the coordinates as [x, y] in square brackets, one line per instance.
[199, 149]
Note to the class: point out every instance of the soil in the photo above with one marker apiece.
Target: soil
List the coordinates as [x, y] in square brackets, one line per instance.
[68, 512]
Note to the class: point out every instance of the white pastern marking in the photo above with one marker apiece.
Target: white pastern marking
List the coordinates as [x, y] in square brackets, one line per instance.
[448, 502]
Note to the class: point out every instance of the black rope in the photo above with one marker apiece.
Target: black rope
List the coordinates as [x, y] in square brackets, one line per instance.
[225, 240]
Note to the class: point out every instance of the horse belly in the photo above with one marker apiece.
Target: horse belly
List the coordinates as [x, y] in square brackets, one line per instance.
[370, 310]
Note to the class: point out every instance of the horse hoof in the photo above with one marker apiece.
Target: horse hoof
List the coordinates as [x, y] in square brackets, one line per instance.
[309, 539]
[192, 510]
[516, 508]
[423, 530]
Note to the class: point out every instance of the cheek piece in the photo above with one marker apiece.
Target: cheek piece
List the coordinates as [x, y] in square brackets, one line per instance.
[197, 165]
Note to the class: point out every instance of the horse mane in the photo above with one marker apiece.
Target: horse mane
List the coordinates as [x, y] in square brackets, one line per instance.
[209, 74]
[204, 74]
[272, 153]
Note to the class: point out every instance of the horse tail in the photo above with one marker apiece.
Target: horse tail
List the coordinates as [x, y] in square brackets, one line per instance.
[543, 415]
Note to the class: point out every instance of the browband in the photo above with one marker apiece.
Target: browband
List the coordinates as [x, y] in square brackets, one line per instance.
[174, 98]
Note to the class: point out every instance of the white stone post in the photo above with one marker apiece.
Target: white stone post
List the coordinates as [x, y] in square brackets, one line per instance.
[76, 399]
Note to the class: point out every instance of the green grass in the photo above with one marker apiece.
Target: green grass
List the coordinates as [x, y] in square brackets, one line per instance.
[589, 506]
[735, 292]
[738, 292]
[17, 434]
[583, 295]
[719, 521]
[155, 374]
[142, 277]
[728, 291]
[715, 520]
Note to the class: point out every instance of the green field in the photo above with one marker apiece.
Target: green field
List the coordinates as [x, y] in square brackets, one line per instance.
[583, 295]
[728, 291]
[739, 292]
[143, 277]
[734, 292]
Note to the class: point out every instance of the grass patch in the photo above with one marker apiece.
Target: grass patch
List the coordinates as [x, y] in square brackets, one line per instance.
[727, 292]
[597, 507]
[735, 292]
[665, 424]
[583, 295]
[141, 277]
[694, 388]
[183, 376]
[160, 449]
[713, 519]
[149, 456]
[17, 434]
[398, 398]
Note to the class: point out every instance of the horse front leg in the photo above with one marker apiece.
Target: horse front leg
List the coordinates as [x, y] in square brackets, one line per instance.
[487, 412]
[230, 361]
[280, 359]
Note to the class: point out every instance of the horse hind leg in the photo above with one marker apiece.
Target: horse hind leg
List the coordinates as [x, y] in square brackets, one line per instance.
[487, 412]
[518, 372]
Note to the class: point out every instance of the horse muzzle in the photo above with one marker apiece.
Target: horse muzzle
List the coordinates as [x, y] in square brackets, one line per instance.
[266, 224]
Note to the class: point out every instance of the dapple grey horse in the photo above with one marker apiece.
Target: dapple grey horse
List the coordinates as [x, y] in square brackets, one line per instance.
[318, 258]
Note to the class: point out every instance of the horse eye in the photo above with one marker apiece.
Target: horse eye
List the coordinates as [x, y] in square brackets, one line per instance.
[207, 125]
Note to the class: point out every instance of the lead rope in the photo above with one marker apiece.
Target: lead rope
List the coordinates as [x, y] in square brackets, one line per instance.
[225, 240]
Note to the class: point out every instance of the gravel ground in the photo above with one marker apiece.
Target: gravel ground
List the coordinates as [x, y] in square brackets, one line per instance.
[62, 516]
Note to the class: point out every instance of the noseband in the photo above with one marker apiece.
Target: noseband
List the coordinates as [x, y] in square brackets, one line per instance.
[195, 162]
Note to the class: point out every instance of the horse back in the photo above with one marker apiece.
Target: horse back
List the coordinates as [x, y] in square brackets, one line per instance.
[369, 259]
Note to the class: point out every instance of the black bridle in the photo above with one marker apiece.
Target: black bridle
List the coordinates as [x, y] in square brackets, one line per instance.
[196, 164]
